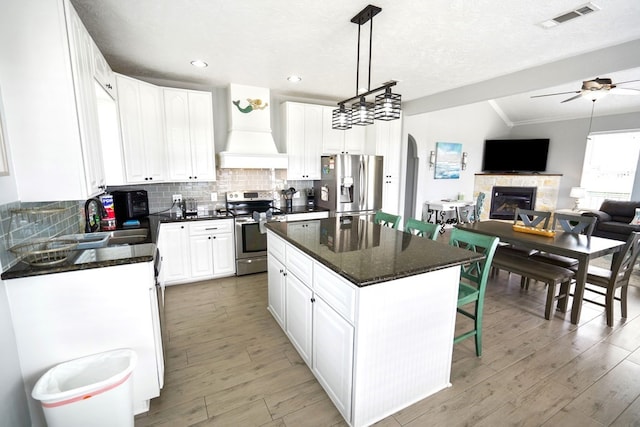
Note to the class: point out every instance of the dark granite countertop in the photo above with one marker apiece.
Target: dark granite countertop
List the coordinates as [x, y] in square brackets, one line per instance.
[89, 258]
[365, 253]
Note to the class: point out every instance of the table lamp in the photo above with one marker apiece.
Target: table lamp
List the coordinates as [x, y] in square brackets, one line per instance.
[577, 193]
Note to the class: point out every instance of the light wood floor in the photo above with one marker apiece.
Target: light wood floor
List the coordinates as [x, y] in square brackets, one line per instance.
[230, 364]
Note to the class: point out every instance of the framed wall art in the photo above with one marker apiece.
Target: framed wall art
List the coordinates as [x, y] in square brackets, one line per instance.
[448, 160]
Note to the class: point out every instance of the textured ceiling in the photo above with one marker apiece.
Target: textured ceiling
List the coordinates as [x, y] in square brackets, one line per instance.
[429, 46]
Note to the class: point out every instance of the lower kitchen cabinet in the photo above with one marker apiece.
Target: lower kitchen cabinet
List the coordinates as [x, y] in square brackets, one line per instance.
[196, 250]
[319, 332]
[173, 243]
[63, 316]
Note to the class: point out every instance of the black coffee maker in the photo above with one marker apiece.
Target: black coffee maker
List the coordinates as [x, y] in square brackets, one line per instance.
[311, 198]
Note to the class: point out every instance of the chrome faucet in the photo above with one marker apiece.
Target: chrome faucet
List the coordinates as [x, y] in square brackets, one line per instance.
[93, 213]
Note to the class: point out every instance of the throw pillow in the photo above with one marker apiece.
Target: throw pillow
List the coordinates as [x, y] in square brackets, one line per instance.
[636, 218]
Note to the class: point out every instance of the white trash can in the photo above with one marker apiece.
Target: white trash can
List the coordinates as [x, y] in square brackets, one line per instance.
[92, 391]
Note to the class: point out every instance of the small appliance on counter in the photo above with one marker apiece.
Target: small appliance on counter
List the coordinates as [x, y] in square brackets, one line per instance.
[130, 205]
[311, 198]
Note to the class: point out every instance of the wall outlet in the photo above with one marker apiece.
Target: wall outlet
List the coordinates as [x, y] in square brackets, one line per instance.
[214, 197]
[177, 198]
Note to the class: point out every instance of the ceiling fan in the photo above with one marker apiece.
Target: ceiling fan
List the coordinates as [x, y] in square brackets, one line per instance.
[596, 89]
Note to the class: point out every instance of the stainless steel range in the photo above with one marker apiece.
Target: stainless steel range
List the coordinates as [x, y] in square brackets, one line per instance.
[251, 242]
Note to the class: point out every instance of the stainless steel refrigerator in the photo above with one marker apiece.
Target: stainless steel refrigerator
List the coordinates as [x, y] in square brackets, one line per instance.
[350, 184]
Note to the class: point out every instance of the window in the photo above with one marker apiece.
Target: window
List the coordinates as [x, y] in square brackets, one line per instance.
[609, 168]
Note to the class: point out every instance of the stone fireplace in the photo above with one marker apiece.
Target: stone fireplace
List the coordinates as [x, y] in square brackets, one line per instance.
[505, 201]
[547, 187]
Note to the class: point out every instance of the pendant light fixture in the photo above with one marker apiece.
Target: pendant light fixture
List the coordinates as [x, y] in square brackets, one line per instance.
[362, 112]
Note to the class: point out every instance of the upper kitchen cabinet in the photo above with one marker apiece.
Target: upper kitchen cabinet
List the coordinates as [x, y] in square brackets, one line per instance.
[142, 130]
[55, 144]
[335, 141]
[388, 136]
[189, 132]
[103, 73]
[303, 130]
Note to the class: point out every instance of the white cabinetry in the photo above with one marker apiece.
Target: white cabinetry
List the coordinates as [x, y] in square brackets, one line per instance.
[388, 136]
[55, 145]
[335, 141]
[312, 306]
[189, 128]
[303, 132]
[211, 249]
[196, 250]
[103, 73]
[173, 243]
[62, 316]
[141, 122]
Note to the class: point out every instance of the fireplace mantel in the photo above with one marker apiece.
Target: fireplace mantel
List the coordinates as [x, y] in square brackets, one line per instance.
[547, 184]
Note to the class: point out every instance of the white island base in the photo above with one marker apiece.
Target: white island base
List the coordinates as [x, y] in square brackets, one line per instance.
[375, 349]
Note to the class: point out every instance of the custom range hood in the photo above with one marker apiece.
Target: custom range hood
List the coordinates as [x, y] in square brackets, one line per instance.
[250, 144]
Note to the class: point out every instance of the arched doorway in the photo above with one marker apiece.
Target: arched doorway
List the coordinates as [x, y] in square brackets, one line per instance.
[411, 178]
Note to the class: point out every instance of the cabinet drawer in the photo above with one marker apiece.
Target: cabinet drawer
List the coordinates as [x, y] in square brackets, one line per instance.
[198, 228]
[338, 293]
[275, 246]
[299, 264]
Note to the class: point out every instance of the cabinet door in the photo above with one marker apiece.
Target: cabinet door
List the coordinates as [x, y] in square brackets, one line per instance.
[276, 289]
[103, 73]
[333, 355]
[224, 260]
[140, 108]
[294, 114]
[201, 132]
[173, 243]
[355, 140]
[176, 108]
[298, 309]
[332, 139]
[312, 141]
[304, 140]
[81, 49]
[201, 256]
[388, 144]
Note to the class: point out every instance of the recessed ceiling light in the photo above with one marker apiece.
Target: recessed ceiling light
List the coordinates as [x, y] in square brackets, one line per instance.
[199, 63]
[294, 79]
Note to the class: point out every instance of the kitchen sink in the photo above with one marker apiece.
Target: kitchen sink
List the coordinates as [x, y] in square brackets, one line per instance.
[128, 237]
[102, 239]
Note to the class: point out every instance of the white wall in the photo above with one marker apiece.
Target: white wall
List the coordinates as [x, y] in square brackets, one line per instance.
[13, 399]
[568, 144]
[469, 125]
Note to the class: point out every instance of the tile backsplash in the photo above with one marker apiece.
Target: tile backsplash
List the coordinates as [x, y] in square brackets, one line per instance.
[20, 222]
[160, 195]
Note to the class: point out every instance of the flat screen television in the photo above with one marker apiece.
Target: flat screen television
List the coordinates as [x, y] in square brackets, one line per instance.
[515, 155]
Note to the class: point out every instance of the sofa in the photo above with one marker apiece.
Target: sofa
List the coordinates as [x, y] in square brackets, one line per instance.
[613, 218]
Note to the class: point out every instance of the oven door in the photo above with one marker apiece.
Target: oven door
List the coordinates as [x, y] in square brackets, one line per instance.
[251, 247]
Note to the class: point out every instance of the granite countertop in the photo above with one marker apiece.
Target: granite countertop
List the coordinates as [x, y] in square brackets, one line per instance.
[366, 253]
[89, 258]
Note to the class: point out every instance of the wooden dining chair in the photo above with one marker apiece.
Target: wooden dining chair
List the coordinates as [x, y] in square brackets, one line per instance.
[529, 218]
[568, 223]
[387, 219]
[421, 228]
[606, 282]
[574, 223]
[473, 280]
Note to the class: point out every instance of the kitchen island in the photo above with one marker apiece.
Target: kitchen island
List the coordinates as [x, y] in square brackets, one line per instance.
[371, 310]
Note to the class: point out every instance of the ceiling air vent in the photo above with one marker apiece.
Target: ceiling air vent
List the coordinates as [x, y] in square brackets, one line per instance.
[585, 9]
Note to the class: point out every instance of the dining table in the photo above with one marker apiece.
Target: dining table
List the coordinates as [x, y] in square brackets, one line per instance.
[578, 246]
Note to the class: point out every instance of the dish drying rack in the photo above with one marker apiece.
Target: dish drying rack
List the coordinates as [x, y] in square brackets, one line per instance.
[41, 252]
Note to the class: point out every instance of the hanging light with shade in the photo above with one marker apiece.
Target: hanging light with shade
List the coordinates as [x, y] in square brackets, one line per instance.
[387, 106]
